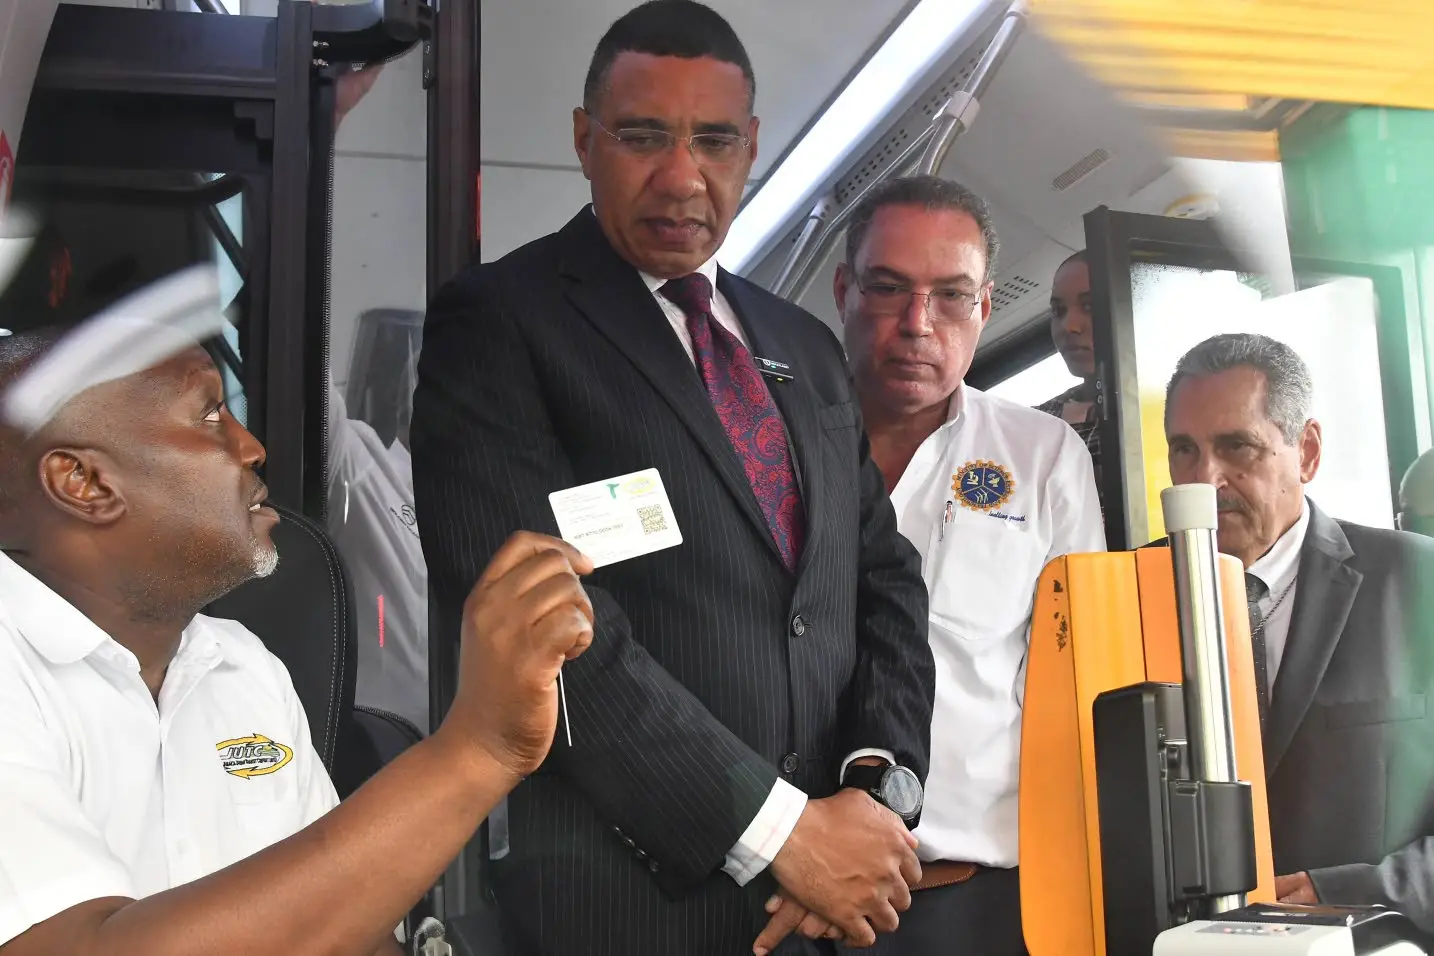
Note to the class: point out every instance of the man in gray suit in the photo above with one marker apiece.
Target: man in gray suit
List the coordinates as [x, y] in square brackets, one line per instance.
[1342, 620]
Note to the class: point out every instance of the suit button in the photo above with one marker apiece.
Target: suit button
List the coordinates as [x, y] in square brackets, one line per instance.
[790, 763]
[799, 626]
[652, 866]
[640, 855]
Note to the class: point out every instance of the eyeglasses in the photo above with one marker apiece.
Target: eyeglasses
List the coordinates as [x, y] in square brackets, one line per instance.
[707, 149]
[942, 305]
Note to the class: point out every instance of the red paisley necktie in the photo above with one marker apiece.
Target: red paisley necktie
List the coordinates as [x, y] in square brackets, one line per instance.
[747, 412]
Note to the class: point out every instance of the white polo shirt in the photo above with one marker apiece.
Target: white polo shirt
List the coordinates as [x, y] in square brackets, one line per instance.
[989, 499]
[103, 793]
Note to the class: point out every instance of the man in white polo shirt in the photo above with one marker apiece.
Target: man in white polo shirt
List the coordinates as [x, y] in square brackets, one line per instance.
[158, 789]
[989, 492]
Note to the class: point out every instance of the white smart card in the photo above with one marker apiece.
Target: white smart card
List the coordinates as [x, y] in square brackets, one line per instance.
[617, 519]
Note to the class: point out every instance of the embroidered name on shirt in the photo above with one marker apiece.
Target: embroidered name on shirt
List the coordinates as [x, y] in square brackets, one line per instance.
[253, 756]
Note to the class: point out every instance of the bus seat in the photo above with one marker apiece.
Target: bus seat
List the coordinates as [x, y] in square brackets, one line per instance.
[304, 614]
[1102, 622]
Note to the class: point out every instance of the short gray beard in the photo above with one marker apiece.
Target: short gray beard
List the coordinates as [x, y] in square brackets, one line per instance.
[266, 560]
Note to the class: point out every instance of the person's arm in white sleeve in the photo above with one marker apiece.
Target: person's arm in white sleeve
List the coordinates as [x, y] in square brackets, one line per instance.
[340, 884]
[52, 856]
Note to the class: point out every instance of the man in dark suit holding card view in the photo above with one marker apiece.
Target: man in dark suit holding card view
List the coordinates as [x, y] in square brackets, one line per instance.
[731, 677]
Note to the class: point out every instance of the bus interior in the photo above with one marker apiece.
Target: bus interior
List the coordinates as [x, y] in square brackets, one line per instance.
[1225, 165]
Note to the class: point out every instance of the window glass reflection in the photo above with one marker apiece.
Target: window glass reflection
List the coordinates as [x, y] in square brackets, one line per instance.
[1331, 324]
[377, 297]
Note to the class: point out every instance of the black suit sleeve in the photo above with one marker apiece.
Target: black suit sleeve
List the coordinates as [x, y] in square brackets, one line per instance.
[647, 754]
[893, 691]
[1403, 881]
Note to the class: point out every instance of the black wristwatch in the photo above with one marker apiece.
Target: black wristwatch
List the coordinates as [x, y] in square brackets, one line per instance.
[894, 787]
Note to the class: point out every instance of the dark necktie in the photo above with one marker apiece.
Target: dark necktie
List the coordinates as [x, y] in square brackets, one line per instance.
[747, 412]
[1255, 591]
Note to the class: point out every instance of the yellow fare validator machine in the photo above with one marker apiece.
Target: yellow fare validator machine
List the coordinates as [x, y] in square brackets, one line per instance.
[1143, 816]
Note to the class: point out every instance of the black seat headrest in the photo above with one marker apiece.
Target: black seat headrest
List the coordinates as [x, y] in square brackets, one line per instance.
[303, 613]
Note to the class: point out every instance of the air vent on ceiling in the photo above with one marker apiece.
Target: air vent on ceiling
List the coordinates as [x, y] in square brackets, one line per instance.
[1011, 292]
[887, 150]
[1083, 168]
[880, 157]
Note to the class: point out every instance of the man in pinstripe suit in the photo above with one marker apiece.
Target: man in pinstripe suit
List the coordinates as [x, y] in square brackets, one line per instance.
[731, 677]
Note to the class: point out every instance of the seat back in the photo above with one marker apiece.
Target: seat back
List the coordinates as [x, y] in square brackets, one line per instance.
[303, 613]
[1102, 622]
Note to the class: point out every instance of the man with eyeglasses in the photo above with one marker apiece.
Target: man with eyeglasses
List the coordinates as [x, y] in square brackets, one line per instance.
[989, 492]
[732, 675]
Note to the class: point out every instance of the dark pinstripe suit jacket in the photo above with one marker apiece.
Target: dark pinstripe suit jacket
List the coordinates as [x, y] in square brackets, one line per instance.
[554, 367]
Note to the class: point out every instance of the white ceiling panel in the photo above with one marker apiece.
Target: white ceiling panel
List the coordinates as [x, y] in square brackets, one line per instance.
[535, 55]
[522, 204]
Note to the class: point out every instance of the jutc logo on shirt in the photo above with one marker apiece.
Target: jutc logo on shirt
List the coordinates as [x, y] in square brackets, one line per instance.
[253, 756]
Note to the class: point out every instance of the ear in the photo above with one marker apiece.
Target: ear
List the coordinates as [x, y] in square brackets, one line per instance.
[986, 291]
[582, 139]
[79, 481]
[841, 285]
[1311, 446]
[752, 128]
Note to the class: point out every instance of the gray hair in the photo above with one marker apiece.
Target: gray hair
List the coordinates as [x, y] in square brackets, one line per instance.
[1289, 390]
[933, 193]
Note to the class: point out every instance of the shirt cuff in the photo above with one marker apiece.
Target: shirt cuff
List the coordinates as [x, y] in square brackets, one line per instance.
[766, 834]
[886, 755]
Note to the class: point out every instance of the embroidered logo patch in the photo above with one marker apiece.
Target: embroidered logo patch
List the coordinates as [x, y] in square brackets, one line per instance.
[982, 485]
[253, 756]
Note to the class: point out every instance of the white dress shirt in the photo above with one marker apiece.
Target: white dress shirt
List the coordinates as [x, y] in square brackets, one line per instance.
[372, 522]
[989, 499]
[1279, 569]
[774, 822]
[106, 792]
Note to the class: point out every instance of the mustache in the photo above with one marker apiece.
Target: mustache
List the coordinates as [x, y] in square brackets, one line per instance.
[1225, 504]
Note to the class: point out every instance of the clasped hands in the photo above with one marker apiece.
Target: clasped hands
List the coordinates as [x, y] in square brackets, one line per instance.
[846, 872]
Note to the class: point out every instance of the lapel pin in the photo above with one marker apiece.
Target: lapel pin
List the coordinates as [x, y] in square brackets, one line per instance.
[776, 371]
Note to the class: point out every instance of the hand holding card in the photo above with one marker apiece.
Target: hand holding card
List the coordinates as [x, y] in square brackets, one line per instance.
[617, 519]
[611, 521]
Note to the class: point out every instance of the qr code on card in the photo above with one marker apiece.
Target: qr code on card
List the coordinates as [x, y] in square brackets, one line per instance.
[654, 519]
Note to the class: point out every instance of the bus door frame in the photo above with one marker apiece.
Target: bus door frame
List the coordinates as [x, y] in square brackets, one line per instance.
[1115, 241]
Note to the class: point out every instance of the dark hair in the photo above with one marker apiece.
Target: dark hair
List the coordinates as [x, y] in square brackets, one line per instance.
[20, 350]
[1289, 390]
[681, 28]
[1073, 257]
[17, 352]
[934, 194]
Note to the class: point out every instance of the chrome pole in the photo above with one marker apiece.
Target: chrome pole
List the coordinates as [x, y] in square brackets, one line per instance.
[924, 154]
[961, 110]
[797, 255]
[1191, 520]
[800, 269]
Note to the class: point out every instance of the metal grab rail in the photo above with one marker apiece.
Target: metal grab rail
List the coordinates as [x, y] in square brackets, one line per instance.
[926, 153]
[1191, 519]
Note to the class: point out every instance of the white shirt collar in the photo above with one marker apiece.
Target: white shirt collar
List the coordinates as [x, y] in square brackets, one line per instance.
[708, 269]
[957, 406]
[1278, 566]
[62, 634]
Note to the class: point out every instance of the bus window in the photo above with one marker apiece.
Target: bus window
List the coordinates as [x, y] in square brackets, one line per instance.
[377, 295]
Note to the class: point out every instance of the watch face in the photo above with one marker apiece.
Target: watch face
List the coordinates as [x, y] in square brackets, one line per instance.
[902, 791]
